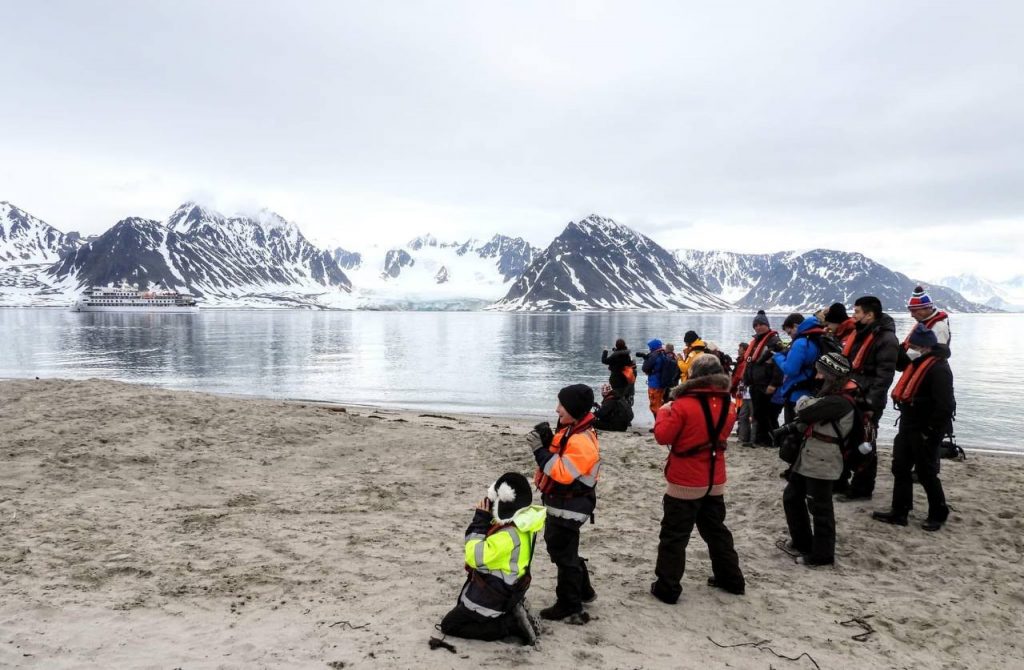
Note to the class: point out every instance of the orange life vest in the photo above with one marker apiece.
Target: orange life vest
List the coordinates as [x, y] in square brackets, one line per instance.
[757, 347]
[910, 381]
[629, 372]
[858, 360]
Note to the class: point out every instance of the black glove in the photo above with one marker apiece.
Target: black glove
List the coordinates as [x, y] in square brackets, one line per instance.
[543, 429]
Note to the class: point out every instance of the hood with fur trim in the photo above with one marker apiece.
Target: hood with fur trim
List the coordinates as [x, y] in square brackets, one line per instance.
[530, 519]
[712, 383]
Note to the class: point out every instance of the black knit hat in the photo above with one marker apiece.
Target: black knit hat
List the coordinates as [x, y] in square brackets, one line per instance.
[836, 313]
[761, 318]
[690, 337]
[577, 399]
[509, 494]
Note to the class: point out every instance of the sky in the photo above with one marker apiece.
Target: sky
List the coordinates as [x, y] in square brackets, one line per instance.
[893, 129]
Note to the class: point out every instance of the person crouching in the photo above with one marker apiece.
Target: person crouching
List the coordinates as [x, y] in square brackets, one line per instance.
[695, 426]
[824, 425]
[567, 466]
[499, 548]
[614, 413]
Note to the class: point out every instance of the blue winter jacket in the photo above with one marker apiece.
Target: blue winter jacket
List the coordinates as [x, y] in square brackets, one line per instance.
[655, 361]
[797, 364]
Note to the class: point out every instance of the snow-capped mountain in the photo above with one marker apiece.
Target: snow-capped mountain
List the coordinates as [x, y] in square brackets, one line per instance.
[598, 264]
[239, 261]
[802, 281]
[24, 239]
[1007, 296]
[427, 273]
[28, 247]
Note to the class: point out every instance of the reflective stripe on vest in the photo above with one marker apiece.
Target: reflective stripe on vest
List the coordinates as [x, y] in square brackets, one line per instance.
[510, 575]
[476, 607]
[567, 514]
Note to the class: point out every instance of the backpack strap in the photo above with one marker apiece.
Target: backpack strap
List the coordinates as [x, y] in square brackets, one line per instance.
[714, 430]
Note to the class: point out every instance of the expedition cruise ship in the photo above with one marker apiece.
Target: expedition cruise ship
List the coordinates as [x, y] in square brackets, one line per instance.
[125, 299]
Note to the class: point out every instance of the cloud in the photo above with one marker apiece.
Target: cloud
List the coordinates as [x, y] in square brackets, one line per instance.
[767, 125]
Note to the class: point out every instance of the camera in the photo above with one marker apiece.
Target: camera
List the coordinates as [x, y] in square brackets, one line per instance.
[780, 434]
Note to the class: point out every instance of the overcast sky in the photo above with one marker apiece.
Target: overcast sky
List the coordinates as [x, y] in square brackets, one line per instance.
[891, 128]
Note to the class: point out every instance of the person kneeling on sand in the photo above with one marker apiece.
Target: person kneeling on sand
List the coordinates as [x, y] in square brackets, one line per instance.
[567, 465]
[499, 548]
[614, 413]
[695, 426]
[826, 425]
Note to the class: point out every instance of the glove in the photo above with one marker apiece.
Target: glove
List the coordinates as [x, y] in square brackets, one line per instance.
[543, 430]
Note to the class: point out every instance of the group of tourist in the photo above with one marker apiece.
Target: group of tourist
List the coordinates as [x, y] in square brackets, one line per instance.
[830, 381]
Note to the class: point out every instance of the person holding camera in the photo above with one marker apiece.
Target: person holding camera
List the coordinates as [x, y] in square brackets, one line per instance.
[568, 462]
[499, 548]
[655, 367]
[621, 370]
[695, 427]
[814, 443]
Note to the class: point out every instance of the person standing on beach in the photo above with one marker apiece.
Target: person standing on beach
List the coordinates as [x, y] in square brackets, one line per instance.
[695, 427]
[924, 311]
[568, 462]
[827, 424]
[654, 360]
[925, 400]
[621, 370]
[694, 348]
[872, 351]
[762, 377]
[500, 544]
[742, 398]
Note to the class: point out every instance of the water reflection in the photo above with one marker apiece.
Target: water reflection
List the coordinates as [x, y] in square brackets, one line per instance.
[477, 362]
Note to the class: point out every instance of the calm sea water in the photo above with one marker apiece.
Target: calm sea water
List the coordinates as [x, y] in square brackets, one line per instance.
[475, 362]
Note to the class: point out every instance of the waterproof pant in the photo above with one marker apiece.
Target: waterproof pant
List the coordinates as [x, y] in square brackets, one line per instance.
[913, 450]
[708, 514]
[864, 471]
[656, 398]
[464, 622]
[807, 496]
[563, 544]
[743, 422]
[766, 416]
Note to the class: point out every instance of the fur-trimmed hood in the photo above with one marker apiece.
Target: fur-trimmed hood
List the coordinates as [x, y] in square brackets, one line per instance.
[720, 382]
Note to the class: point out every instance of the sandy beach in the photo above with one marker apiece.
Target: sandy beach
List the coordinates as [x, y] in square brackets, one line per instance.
[143, 528]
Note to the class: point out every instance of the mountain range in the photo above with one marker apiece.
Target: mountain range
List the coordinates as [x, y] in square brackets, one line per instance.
[263, 260]
[1006, 295]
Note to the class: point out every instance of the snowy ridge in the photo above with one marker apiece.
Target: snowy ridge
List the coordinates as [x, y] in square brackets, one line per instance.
[808, 280]
[598, 264]
[262, 260]
[1007, 296]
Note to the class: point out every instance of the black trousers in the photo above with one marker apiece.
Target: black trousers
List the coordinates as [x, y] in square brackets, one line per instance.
[463, 622]
[708, 514]
[858, 478]
[563, 544]
[765, 416]
[806, 500]
[913, 450]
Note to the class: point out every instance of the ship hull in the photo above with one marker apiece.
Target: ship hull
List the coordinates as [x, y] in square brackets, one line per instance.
[147, 309]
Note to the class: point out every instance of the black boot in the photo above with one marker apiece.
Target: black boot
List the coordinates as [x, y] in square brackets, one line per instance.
[936, 519]
[731, 588]
[894, 517]
[559, 611]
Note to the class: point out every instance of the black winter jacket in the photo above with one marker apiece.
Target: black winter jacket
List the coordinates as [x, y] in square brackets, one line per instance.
[614, 413]
[879, 366]
[763, 372]
[617, 361]
[932, 408]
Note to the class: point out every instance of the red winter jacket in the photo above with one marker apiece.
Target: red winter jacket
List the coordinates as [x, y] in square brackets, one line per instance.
[681, 426]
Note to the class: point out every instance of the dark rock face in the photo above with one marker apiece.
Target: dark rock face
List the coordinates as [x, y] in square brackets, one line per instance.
[514, 254]
[205, 253]
[791, 281]
[598, 264]
[395, 260]
[347, 260]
